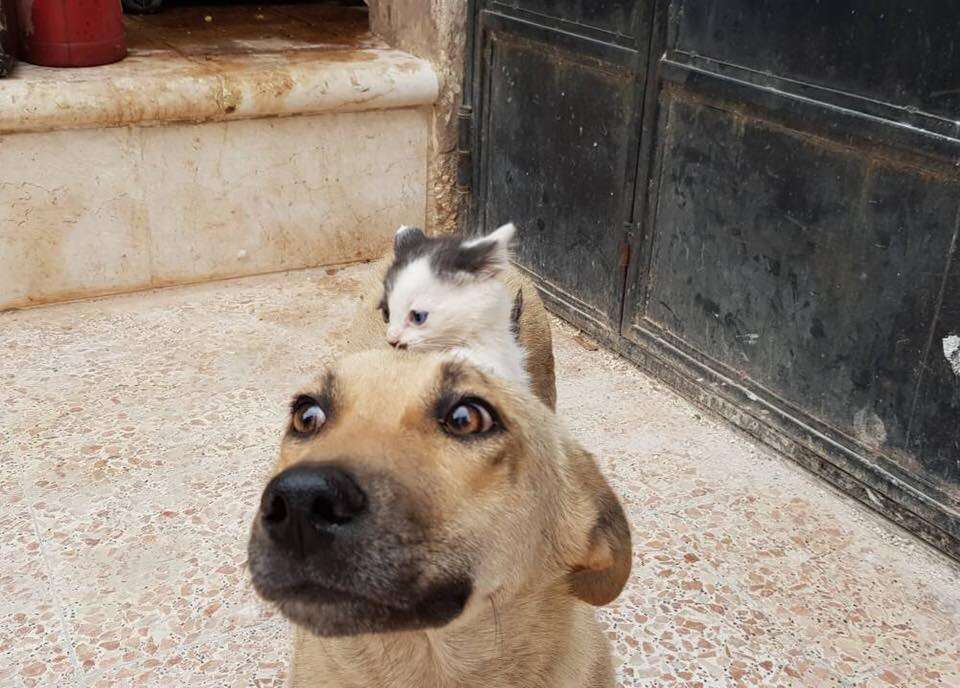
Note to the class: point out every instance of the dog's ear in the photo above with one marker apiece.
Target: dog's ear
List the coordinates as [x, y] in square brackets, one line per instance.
[600, 562]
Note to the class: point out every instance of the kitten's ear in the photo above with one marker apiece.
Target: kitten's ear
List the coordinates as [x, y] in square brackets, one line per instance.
[406, 239]
[488, 256]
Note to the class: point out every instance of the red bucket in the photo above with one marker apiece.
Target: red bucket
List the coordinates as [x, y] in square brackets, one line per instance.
[71, 33]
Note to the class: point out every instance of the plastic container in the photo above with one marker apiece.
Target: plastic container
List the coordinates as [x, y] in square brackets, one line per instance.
[71, 33]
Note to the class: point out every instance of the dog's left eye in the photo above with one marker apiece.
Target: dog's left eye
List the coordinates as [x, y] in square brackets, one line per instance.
[308, 417]
[469, 418]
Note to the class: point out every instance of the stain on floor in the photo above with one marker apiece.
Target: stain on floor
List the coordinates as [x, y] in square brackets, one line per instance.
[136, 432]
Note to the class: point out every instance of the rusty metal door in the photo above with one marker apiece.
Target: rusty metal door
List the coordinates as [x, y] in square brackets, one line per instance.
[554, 95]
[791, 230]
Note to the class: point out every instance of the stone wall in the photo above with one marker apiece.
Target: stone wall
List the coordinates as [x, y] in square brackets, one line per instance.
[434, 30]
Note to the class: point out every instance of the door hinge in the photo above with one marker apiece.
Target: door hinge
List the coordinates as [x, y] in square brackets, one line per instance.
[465, 147]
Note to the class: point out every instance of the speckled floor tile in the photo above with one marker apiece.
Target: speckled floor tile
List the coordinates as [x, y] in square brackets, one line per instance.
[33, 648]
[252, 657]
[137, 432]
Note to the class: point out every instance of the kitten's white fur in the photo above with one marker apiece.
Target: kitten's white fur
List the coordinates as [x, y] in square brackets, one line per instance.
[470, 316]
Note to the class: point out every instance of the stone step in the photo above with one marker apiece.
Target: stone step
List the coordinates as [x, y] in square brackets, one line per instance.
[206, 159]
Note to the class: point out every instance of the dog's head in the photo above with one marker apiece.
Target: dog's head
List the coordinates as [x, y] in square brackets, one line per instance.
[412, 487]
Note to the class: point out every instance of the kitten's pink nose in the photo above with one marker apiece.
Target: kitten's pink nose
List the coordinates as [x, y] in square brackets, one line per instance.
[395, 343]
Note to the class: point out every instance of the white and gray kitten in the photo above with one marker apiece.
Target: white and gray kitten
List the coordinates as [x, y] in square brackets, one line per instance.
[444, 294]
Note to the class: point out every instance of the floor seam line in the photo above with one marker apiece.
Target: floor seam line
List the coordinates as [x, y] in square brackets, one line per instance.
[48, 569]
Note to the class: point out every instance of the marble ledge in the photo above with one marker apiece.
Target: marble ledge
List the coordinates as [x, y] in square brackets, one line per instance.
[153, 87]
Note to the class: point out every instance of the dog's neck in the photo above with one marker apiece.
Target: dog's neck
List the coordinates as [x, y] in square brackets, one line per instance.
[534, 642]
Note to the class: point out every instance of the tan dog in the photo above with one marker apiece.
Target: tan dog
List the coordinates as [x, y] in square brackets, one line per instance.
[368, 331]
[429, 526]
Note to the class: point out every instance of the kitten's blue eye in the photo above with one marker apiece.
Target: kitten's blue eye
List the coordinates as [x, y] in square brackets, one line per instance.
[418, 317]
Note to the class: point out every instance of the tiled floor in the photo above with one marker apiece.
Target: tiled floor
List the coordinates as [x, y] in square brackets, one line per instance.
[137, 431]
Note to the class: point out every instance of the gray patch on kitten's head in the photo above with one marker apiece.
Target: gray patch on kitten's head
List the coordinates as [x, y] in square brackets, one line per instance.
[409, 243]
[407, 239]
[450, 257]
[480, 258]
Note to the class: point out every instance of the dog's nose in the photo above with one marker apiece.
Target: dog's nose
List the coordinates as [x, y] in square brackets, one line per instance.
[301, 506]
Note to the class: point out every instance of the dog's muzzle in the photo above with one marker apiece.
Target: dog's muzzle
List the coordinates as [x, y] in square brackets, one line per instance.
[340, 554]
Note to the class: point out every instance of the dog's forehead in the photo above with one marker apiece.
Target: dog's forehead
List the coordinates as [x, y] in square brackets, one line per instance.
[386, 373]
[394, 379]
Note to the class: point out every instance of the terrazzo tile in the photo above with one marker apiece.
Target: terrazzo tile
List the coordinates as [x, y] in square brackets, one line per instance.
[33, 652]
[144, 495]
[33, 648]
[253, 657]
[141, 429]
[168, 571]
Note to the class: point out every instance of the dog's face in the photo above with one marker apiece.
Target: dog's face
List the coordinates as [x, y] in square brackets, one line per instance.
[411, 488]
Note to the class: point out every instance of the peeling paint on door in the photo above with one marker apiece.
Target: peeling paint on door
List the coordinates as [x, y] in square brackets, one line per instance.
[869, 428]
[951, 351]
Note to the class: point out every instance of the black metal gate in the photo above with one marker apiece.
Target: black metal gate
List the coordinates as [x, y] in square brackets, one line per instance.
[757, 201]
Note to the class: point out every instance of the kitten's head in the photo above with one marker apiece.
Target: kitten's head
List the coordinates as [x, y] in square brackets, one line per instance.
[441, 292]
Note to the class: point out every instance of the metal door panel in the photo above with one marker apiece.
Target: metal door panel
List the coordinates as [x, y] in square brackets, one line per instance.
[796, 268]
[901, 53]
[558, 125]
[933, 436]
[549, 110]
[611, 16]
[807, 267]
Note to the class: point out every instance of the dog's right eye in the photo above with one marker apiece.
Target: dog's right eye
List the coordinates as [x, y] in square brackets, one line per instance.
[308, 417]
[468, 418]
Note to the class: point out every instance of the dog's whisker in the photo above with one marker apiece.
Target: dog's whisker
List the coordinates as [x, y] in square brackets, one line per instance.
[497, 628]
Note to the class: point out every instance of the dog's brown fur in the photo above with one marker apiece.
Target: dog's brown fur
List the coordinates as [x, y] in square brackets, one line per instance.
[368, 331]
[521, 516]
